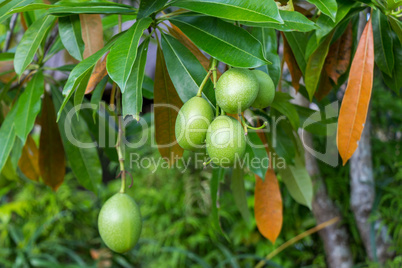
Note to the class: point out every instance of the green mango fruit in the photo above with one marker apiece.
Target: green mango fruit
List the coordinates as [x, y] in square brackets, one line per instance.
[266, 92]
[120, 223]
[236, 90]
[226, 141]
[192, 123]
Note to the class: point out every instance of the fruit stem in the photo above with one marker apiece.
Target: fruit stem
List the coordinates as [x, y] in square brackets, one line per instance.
[211, 70]
[246, 126]
[207, 163]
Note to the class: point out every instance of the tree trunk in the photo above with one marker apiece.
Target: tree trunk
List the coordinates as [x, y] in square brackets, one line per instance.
[362, 197]
[335, 237]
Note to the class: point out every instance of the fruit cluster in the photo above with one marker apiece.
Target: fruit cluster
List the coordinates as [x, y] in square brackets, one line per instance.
[224, 137]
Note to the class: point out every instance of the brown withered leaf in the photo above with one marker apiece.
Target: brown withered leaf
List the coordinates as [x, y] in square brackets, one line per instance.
[355, 103]
[51, 152]
[28, 162]
[7, 67]
[92, 33]
[268, 206]
[290, 60]
[98, 74]
[167, 104]
[338, 58]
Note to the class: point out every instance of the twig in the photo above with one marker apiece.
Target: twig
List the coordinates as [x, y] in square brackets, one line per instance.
[10, 32]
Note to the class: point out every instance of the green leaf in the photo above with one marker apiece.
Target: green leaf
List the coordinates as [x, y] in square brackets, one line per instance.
[298, 42]
[84, 162]
[71, 36]
[256, 150]
[268, 39]
[222, 40]
[282, 104]
[132, 97]
[29, 105]
[298, 182]
[80, 91]
[328, 7]
[65, 8]
[383, 44]
[315, 65]
[110, 21]
[30, 42]
[8, 5]
[30, 7]
[97, 94]
[218, 175]
[325, 24]
[148, 88]
[293, 21]
[79, 71]
[185, 70]
[282, 140]
[7, 136]
[251, 10]
[395, 82]
[316, 123]
[239, 193]
[7, 56]
[396, 26]
[147, 7]
[393, 4]
[121, 58]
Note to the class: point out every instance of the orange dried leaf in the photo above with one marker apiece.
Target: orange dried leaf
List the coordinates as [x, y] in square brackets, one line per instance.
[166, 107]
[7, 68]
[97, 75]
[353, 112]
[338, 58]
[290, 60]
[28, 162]
[268, 206]
[51, 151]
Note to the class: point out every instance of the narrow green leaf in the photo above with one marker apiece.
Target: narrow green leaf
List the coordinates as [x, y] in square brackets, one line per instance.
[97, 94]
[298, 43]
[71, 36]
[185, 70]
[30, 7]
[396, 26]
[7, 136]
[269, 42]
[239, 193]
[383, 43]
[79, 71]
[65, 8]
[256, 153]
[83, 157]
[325, 24]
[315, 65]
[8, 5]
[29, 105]
[298, 182]
[30, 42]
[7, 56]
[148, 88]
[282, 104]
[122, 56]
[218, 174]
[80, 91]
[110, 21]
[328, 7]
[251, 10]
[395, 82]
[222, 40]
[147, 7]
[293, 21]
[132, 97]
